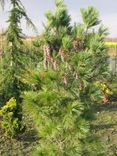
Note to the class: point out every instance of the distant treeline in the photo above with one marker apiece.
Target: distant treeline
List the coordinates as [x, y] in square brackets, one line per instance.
[111, 39]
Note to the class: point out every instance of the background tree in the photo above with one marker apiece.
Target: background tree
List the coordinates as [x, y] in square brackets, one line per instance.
[12, 66]
[13, 59]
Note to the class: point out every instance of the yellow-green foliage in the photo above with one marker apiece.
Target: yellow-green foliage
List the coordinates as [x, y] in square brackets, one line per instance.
[10, 119]
[104, 88]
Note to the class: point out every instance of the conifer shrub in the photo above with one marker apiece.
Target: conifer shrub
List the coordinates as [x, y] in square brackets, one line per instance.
[11, 119]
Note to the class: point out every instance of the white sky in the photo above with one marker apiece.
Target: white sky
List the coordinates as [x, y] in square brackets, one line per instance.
[37, 8]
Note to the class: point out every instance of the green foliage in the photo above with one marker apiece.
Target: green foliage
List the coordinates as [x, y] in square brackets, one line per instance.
[12, 66]
[58, 116]
[90, 17]
[62, 87]
[66, 42]
[79, 31]
[14, 58]
[58, 26]
[11, 119]
[60, 18]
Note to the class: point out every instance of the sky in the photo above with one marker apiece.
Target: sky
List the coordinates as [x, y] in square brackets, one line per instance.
[37, 8]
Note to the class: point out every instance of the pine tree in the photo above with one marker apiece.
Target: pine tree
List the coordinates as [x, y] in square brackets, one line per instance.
[63, 88]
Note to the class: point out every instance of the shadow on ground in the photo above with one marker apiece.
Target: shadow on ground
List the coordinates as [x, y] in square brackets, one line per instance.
[105, 126]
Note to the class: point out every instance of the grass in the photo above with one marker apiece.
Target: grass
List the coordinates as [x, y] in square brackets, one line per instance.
[105, 126]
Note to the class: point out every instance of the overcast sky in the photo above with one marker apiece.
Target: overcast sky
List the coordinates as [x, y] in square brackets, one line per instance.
[37, 8]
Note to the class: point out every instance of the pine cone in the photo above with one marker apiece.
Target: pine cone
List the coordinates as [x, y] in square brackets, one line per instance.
[78, 44]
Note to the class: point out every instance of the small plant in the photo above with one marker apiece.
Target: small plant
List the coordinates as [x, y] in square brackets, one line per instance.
[105, 90]
[11, 118]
